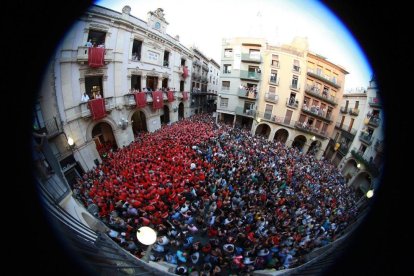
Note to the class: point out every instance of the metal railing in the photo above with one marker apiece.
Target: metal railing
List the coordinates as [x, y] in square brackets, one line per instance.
[271, 97]
[330, 80]
[82, 55]
[249, 58]
[374, 121]
[243, 93]
[98, 253]
[285, 121]
[274, 81]
[374, 102]
[250, 75]
[245, 112]
[344, 109]
[310, 129]
[343, 127]
[295, 86]
[293, 103]
[314, 91]
[317, 113]
[52, 127]
[366, 138]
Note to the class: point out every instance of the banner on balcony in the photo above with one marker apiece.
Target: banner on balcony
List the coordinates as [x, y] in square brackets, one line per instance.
[96, 57]
[157, 101]
[140, 99]
[97, 107]
[185, 96]
[185, 72]
[170, 95]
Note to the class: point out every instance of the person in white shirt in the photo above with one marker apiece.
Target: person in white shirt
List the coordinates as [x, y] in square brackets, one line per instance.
[85, 97]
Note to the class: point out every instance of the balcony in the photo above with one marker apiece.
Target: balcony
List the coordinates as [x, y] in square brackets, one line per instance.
[205, 67]
[52, 127]
[344, 109]
[196, 76]
[252, 76]
[85, 111]
[284, 121]
[314, 91]
[344, 128]
[226, 72]
[303, 126]
[374, 122]
[292, 103]
[374, 102]
[365, 138]
[245, 112]
[319, 113]
[165, 63]
[274, 81]
[251, 59]
[295, 87]
[271, 97]
[109, 103]
[331, 81]
[354, 111]
[369, 166]
[82, 55]
[243, 93]
[197, 63]
[129, 100]
[343, 149]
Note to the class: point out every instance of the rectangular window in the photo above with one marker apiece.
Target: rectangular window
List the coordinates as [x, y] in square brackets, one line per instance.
[273, 76]
[38, 120]
[356, 104]
[296, 65]
[325, 127]
[225, 85]
[228, 53]
[93, 86]
[319, 70]
[318, 124]
[275, 61]
[248, 108]
[182, 62]
[336, 137]
[181, 86]
[302, 118]
[351, 124]
[227, 68]
[224, 102]
[288, 117]
[254, 54]
[272, 89]
[346, 105]
[136, 82]
[96, 37]
[166, 61]
[136, 50]
[268, 111]
[295, 82]
[342, 121]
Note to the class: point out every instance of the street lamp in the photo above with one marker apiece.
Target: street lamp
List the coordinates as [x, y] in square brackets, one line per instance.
[359, 165]
[147, 236]
[70, 141]
[313, 138]
[370, 193]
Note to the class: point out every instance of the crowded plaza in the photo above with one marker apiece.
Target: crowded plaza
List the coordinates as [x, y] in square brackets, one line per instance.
[222, 202]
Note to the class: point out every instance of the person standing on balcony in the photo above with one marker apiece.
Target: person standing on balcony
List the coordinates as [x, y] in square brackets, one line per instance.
[89, 43]
[85, 97]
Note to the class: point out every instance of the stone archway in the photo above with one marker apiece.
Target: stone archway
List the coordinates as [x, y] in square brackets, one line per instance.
[263, 130]
[139, 122]
[350, 169]
[314, 147]
[103, 135]
[362, 183]
[281, 136]
[165, 118]
[181, 111]
[299, 142]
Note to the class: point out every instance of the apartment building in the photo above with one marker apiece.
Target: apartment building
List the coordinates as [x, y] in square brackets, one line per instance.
[283, 93]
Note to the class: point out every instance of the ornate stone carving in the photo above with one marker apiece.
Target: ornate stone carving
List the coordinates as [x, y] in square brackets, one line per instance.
[126, 9]
[98, 27]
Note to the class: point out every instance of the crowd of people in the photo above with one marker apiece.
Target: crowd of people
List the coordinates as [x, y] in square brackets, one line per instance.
[221, 200]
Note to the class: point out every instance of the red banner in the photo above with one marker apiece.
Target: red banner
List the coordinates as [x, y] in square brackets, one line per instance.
[97, 107]
[170, 96]
[185, 71]
[157, 101]
[185, 96]
[96, 57]
[140, 99]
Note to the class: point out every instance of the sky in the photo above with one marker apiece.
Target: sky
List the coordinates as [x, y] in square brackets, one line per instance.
[204, 24]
